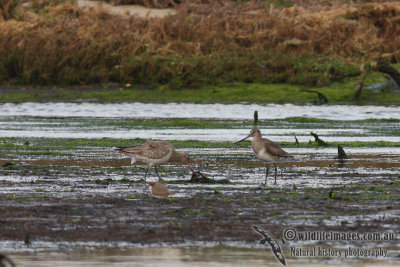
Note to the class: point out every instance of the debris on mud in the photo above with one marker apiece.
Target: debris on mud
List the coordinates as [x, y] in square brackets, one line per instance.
[341, 153]
[319, 141]
[9, 166]
[200, 178]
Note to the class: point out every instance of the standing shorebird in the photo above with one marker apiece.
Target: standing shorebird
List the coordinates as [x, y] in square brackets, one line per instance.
[266, 150]
[158, 190]
[155, 153]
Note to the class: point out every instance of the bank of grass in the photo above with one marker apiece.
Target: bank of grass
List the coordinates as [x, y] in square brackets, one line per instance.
[338, 92]
[202, 45]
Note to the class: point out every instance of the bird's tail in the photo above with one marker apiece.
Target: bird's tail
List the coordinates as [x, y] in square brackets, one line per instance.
[130, 150]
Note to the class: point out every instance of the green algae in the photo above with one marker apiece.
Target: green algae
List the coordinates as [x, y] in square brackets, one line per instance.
[229, 93]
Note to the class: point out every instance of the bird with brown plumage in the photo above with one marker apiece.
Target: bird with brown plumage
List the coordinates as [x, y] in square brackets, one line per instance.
[266, 150]
[155, 153]
[159, 190]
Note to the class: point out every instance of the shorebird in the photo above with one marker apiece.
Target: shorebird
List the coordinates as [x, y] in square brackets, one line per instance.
[266, 150]
[155, 153]
[158, 190]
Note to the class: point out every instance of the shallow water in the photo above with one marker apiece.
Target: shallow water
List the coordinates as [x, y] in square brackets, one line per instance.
[90, 120]
[190, 256]
[81, 176]
[199, 111]
[303, 135]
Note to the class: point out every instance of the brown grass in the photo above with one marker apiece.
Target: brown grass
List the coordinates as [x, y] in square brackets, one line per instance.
[202, 43]
[308, 4]
[162, 3]
[7, 8]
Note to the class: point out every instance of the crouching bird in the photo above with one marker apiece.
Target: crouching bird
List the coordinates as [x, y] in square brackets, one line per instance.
[158, 190]
[155, 153]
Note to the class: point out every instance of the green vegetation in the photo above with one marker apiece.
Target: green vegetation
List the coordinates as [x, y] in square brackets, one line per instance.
[263, 51]
[235, 92]
[45, 144]
[183, 212]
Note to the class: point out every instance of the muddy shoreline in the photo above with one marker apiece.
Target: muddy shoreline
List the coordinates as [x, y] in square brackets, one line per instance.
[66, 194]
[100, 206]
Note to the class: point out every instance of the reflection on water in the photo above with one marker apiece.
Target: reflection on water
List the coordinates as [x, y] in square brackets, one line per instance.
[277, 134]
[184, 256]
[205, 111]
[91, 120]
[303, 135]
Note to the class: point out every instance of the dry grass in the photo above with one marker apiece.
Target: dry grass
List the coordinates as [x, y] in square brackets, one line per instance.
[162, 3]
[309, 4]
[7, 8]
[202, 43]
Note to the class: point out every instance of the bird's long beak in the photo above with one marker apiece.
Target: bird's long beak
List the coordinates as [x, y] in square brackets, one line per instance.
[190, 167]
[242, 139]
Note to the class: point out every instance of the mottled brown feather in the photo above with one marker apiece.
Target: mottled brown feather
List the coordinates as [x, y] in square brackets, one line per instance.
[151, 149]
[274, 149]
[158, 189]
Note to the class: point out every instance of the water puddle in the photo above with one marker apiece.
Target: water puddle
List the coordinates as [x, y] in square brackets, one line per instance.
[190, 256]
[84, 194]
[94, 121]
[220, 135]
[198, 111]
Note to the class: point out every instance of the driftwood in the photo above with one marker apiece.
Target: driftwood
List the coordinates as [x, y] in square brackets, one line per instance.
[321, 98]
[360, 84]
[199, 178]
[318, 140]
[381, 66]
[295, 138]
[386, 68]
[341, 156]
[341, 153]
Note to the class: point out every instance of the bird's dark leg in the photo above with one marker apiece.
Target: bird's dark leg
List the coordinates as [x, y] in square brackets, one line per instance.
[266, 172]
[159, 178]
[145, 176]
[276, 169]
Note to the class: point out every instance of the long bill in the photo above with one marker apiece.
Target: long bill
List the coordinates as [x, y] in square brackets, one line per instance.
[242, 139]
[190, 168]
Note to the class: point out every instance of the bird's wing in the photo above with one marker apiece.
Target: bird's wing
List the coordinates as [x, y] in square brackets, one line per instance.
[275, 150]
[161, 189]
[267, 237]
[151, 149]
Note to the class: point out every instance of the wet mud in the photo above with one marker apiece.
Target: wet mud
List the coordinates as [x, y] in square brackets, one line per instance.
[69, 193]
[107, 200]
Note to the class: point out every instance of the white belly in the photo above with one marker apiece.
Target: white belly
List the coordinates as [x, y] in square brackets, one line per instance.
[153, 162]
[265, 156]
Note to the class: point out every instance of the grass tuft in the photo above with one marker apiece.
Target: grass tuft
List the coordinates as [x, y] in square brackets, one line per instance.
[205, 42]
